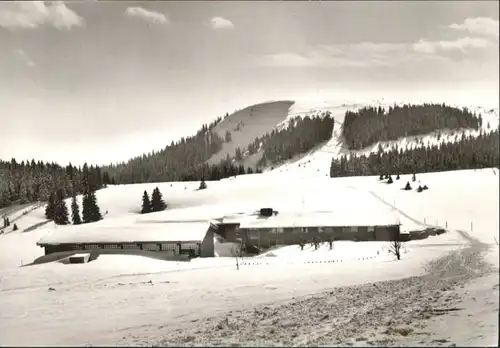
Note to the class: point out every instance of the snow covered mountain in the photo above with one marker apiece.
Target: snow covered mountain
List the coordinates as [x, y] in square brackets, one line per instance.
[254, 121]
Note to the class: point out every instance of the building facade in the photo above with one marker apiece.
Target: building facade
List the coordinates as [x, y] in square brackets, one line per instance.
[287, 230]
[191, 245]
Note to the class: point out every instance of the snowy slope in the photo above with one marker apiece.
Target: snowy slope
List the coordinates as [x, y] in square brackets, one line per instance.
[290, 191]
[247, 124]
[132, 299]
[257, 120]
[152, 294]
[317, 162]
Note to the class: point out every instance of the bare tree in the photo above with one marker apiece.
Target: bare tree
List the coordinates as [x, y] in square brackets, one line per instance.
[395, 247]
[236, 251]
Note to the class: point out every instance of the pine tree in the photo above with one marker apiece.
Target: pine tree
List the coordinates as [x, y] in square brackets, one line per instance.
[23, 194]
[203, 184]
[86, 209]
[75, 211]
[50, 208]
[95, 210]
[146, 204]
[60, 209]
[157, 203]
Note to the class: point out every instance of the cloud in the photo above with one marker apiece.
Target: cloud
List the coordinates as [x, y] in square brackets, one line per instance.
[220, 23]
[152, 17]
[32, 14]
[21, 54]
[478, 26]
[364, 54]
[462, 44]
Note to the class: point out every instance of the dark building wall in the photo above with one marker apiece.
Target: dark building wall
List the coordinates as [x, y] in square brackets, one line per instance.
[267, 237]
[207, 248]
[174, 248]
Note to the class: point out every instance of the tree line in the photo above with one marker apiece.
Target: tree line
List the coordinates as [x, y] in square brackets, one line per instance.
[301, 135]
[225, 169]
[370, 125]
[173, 162]
[32, 181]
[467, 152]
[57, 210]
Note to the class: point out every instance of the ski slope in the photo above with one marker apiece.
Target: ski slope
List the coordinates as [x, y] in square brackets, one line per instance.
[139, 296]
[124, 299]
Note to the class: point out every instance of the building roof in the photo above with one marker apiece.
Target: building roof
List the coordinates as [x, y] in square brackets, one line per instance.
[321, 219]
[132, 233]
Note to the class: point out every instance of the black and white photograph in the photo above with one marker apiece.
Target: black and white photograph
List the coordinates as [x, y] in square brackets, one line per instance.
[249, 173]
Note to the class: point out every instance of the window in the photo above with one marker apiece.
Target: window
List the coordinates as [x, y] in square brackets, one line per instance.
[111, 246]
[371, 229]
[131, 246]
[150, 247]
[253, 234]
[168, 246]
[354, 229]
[189, 246]
[277, 230]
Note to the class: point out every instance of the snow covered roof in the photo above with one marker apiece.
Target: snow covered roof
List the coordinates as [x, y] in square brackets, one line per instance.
[145, 232]
[321, 219]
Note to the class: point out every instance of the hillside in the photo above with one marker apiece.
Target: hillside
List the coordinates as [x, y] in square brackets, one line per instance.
[314, 162]
[237, 143]
[247, 124]
[199, 289]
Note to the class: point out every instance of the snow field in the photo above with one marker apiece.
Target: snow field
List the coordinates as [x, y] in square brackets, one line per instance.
[124, 299]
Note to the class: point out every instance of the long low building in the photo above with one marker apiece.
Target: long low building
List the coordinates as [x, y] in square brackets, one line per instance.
[292, 227]
[177, 238]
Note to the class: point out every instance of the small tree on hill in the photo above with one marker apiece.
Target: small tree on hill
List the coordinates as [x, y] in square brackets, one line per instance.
[91, 211]
[75, 211]
[157, 202]
[96, 211]
[15, 228]
[408, 186]
[203, 185]
[419, 188]
[381, 177]
[86, 209]
[50, 208]
[146, 203]
[390, 180]
[397, 177]
[60, 209]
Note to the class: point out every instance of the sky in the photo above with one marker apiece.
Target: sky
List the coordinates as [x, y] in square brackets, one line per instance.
[100, 82]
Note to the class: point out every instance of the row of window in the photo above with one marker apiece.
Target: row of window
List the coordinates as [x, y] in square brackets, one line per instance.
[148, 246]
[254, 233]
